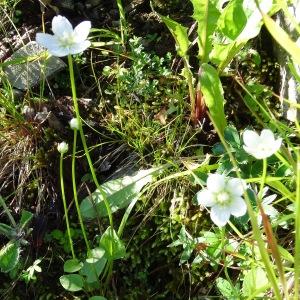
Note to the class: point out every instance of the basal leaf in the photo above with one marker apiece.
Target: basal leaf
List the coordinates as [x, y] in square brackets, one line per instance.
[119, 192]
[72, 265]
[112, 244]
[71, 282]
[212, 91]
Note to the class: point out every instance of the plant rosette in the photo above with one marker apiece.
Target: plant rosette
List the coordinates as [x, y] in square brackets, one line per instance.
[224, 196]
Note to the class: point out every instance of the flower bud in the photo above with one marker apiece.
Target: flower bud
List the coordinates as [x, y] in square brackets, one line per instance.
[62, 147]
[74, 124]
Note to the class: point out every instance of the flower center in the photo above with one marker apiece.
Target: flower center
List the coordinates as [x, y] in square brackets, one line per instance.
[223, 197]
[66, 40]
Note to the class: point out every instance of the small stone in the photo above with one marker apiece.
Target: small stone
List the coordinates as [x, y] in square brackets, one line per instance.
[27, 75]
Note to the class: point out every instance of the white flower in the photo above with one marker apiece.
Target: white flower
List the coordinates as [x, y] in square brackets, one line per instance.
[261, 146]
[62, 147]
[74, 124]
[224, 196]
[65, 40]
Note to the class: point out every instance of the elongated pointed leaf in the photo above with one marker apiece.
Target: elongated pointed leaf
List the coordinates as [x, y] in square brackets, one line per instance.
[282, 38]
[212, 91]
[206, 14]
[180, 35]
[119, 192]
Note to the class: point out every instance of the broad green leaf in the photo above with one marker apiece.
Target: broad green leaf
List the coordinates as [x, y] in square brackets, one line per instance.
[71, 282]
[206, 14]
[93, 267]
[254, 279]
[225, 288]
[95, 255]
[282, 38]
[212, 91]
[111, 243]
[97, 298]
[9, 256]
[254, 18]
[179, 33]
[233, 19]
[25, 218]
[72, 265]
[222, 54]
[119, 192]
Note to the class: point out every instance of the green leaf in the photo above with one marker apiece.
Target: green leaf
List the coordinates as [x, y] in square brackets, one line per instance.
[97, 298]
[119, 192]
[282, 38]
[6, 230]
[71, 282]
[113, 246]
[72, 265]
[206, 14]
[254, 279]
[179, 33]
[94, 265]
[212, 91]
[254, 18]
[233, 19]
[25, 218]
[225, 288]
[9, 256]
[232, 137]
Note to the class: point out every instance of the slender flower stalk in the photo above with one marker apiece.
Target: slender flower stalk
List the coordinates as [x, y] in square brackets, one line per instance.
[64, 201]
[75, 191]
[82, 136]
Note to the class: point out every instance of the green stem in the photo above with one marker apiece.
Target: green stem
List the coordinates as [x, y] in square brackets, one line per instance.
[122, 22]
[86, 151]
[263, 180]
[75, 192]
[62, 185]
[297, 231]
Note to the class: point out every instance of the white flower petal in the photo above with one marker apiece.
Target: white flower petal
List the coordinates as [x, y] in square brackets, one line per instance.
[79, 47]
[59, 51]
[251, 138]
[220, 215]
[61, 26]
[277, 145]
[47, 40]
[215, 182]
[236, 186]
[81, 31]
[267, 136]
[238, 207]
[205, 198]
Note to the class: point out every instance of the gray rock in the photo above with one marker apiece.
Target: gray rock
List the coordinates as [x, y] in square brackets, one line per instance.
[289, 86]
[28, 74]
